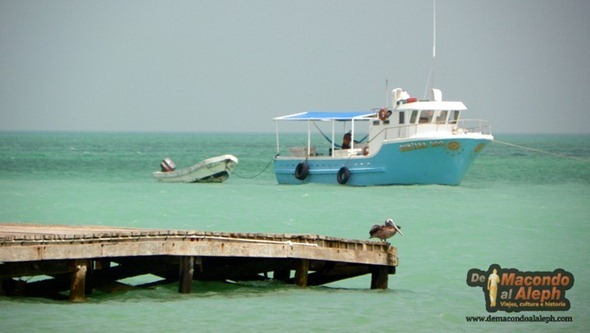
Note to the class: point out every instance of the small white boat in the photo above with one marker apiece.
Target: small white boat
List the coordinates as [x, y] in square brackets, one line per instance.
[212, 170]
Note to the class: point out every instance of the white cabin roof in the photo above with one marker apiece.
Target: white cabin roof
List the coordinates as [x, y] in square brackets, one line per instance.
[326, 116]
[432, 105]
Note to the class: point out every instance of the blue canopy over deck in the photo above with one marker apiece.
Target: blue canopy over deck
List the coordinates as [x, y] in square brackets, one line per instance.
[313, 116]
[327, 116]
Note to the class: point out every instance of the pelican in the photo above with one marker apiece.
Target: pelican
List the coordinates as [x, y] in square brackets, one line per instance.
[385, 231]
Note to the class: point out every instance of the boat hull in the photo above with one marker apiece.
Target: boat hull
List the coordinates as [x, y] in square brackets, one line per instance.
[443, 161]
[212, 170]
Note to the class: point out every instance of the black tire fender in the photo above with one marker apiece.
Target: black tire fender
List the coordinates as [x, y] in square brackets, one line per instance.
[301, 170]
[343, 175]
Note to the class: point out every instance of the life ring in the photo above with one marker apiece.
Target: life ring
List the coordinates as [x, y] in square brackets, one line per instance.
[383, 114]
[343, 175]
[301, 170]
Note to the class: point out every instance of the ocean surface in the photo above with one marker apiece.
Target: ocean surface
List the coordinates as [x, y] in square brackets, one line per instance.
[522, 208]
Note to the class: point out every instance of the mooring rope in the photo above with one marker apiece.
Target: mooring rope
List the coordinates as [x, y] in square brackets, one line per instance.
[256, 175]
[543, 151]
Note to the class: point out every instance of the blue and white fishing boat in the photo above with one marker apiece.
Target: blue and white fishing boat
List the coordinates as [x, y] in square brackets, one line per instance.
[412, 142]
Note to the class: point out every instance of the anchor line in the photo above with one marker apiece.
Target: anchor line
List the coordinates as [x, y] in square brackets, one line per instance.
[256, 175]
[543, 151]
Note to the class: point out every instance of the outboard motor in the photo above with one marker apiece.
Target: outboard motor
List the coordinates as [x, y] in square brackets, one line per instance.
[167, 165]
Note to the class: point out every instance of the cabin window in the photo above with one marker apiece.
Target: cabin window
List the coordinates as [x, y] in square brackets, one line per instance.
[414, 117]
[442, 117]
[402, 118]
[454, 117]
[426, 116]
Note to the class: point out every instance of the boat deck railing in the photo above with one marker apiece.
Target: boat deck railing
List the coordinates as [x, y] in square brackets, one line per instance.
[462, 126]
[475, 126]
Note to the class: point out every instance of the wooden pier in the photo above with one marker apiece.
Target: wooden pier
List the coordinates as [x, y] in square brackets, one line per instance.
[72, 261]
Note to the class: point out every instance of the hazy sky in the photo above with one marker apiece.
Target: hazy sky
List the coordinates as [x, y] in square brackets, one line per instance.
[233, 65]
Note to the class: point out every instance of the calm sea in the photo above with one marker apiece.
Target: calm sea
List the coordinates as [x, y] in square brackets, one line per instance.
[527, 209]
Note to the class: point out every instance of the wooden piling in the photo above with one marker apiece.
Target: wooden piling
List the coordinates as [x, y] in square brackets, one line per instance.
[78, 287]
[301, 272]
[186, 270]
[379, 277]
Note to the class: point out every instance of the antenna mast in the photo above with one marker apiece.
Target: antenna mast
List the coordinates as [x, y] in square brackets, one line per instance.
[429, 84]
[386, 93]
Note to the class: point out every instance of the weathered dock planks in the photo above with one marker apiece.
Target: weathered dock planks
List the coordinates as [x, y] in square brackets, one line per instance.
[82, 258]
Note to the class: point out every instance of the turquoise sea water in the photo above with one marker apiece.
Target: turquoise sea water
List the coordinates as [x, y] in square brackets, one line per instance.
[518, 208]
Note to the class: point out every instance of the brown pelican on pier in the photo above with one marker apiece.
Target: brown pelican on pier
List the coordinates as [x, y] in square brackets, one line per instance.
[385, 231]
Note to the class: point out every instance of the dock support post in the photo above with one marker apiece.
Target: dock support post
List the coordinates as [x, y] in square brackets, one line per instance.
[186, 270]
[78, 286]
[102, 263]
[301, 272]
[379, 277]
